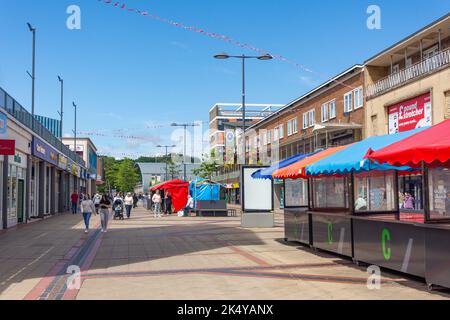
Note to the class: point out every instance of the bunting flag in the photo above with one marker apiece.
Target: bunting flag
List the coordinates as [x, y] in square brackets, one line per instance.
[217, 36]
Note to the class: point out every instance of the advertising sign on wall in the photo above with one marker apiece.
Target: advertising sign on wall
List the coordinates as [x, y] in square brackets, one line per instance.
[7, 147]
[3, 123]
[62, 162]
[43, 151]
[410, 114]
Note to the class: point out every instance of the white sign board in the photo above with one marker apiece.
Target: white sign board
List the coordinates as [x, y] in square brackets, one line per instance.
[257, 194]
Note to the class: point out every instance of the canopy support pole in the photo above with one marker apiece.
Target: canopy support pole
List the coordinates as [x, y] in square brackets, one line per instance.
[351, 193]
[425, 194]
[396, 196]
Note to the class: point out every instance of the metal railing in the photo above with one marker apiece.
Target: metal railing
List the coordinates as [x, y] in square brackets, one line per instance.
[419, 69]
[24, 117]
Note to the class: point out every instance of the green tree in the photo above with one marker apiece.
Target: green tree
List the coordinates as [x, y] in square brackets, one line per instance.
[127, 176]
[206, 170]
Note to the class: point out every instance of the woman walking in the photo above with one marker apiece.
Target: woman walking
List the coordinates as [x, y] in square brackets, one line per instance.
[87, 208]
[157, 200]
[105, 206]
[129, 204]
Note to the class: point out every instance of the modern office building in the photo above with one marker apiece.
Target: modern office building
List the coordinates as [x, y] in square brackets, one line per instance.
[227, 118]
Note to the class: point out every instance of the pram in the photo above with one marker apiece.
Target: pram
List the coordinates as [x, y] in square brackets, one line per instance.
[118, 209]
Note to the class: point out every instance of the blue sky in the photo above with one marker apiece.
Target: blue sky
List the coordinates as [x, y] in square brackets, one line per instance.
[136, 74]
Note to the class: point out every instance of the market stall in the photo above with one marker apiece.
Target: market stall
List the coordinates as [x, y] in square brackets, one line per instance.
[206, 196]
[179, 191]
[297, 204]
[428, 150]
[356, 198]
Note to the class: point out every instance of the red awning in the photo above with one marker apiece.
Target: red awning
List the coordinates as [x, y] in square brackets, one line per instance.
[431, 146]
[179, 191]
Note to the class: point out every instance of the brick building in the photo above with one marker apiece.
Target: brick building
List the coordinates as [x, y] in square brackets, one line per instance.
[408, 84]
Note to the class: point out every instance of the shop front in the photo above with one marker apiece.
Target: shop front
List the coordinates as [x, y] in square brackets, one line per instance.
[44, 176]
[16, 189]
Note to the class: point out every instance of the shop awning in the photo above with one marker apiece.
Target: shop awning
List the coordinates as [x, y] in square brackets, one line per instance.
[297, 170]
[431, 146]
[178, 189]
[352, 158]
[266, 173]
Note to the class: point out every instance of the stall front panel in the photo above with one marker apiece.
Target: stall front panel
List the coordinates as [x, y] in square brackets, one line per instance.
[437, 240]
[397, 246]
[297, 225]
[332, 232]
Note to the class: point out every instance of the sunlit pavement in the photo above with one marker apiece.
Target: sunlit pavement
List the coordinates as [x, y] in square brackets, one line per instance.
[180, 258]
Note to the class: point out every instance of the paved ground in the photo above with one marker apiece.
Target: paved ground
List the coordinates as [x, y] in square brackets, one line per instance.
[180, 258]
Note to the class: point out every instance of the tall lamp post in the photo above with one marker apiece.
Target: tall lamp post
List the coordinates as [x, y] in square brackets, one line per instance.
[223, 56]
[75, 131]
[185, 126]
[167, 161]
[62, 106]
[33, 72]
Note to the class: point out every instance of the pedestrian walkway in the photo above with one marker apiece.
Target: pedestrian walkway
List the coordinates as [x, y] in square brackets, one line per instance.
[180, 258]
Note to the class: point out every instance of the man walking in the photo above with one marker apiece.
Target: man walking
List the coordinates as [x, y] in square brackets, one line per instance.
[74, 199]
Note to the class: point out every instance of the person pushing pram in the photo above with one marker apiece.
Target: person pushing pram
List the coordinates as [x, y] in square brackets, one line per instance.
[118, 207]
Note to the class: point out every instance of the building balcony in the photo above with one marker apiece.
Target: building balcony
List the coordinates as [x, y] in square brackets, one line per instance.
[419, 70]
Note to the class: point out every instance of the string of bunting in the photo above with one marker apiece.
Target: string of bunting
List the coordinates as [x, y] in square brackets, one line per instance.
[217, 36]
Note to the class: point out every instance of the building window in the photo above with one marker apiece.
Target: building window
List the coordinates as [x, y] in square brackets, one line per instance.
[281, 131]
[325, 112]
[265, 138]
[305, 121]
[348, 101]
[359, 99]
[332, 109]
[269, 136]
[295, 125]
[276, 134]
[312, 118]
[292, 127]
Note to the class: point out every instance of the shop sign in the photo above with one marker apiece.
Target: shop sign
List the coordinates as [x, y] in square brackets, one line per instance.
[410, 114]
[18, 159]
[3, 123]
[44, 151]
[7, 147]
[62, 162]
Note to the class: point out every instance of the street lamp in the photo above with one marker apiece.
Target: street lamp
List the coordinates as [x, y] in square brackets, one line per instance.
[167, 161]
[62, 106]
[33, 71]
[224, 56]
[185, 126]
[75, 131]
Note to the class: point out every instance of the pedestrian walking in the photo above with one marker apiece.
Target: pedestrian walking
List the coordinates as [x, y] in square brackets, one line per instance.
[105, 206]
[118, 207]
[97, 199]
[157, 200]
[74, 199]
[168, 203]
[135, 200]
[128, 204]
[87, 208]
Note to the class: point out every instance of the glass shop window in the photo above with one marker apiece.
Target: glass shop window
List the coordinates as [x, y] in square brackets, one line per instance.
[439, 188]
[374, 192]
[296, 193]
[410, 192]
[330, 192]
